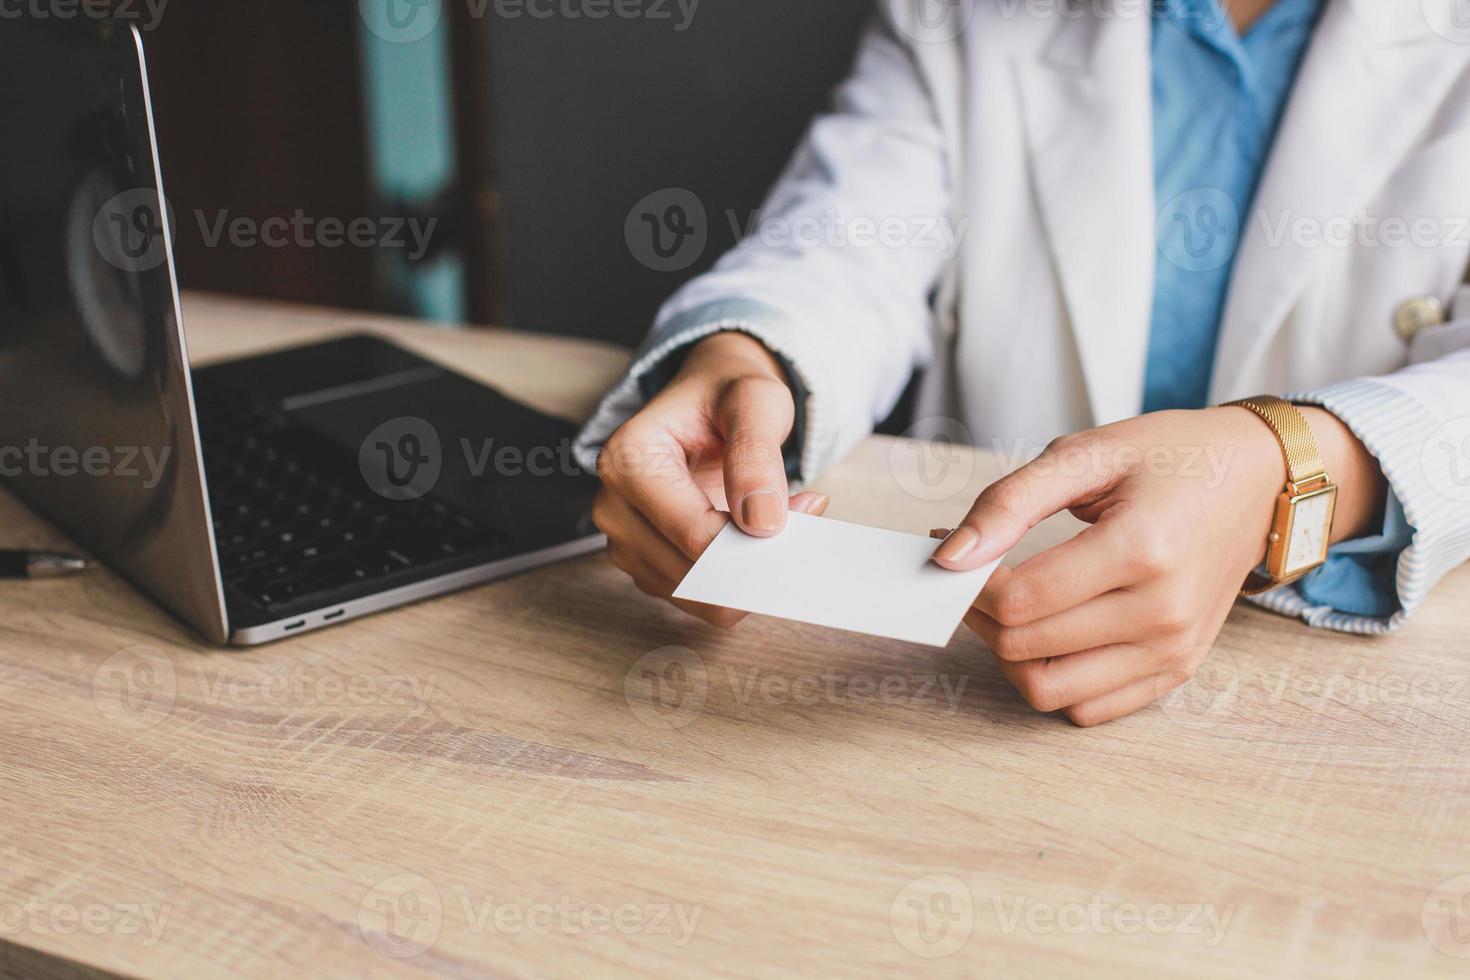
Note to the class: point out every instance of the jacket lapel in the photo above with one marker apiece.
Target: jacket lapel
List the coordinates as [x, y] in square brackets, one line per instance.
[1086, 105]
[1372, 77]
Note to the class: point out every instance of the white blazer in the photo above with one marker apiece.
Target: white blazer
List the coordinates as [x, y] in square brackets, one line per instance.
[980, 201]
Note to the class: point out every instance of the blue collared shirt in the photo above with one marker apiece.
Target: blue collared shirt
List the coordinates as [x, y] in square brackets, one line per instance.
[1217, 100]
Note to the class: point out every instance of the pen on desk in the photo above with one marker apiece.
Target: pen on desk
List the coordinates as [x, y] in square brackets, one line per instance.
[39, 564]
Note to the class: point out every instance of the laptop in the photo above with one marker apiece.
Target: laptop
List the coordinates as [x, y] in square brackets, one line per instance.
[258, 498]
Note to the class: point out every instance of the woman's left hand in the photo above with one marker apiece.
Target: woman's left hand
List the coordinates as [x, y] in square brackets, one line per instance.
[1179, 506]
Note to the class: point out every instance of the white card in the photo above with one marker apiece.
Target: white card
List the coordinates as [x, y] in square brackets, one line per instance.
[831, 573]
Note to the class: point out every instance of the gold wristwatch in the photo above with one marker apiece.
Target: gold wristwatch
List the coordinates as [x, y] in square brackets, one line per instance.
[1303, 523]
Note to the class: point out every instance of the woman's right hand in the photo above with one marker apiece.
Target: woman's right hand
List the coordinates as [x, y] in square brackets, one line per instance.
[709, 442]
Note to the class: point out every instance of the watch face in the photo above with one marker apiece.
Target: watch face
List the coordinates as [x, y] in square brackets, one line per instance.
[1311, 520]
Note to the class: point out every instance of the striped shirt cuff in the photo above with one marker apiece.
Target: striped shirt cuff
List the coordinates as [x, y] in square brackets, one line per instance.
[1392, 425]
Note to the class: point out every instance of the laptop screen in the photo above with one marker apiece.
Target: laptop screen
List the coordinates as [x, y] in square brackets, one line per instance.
[96, 421]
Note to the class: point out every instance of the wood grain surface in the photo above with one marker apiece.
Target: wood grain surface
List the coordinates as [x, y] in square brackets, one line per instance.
[555, 776]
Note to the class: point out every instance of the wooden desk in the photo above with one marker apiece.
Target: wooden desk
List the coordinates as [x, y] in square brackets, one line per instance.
[556, 776]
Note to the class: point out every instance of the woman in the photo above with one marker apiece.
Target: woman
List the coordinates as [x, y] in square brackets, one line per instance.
[1160, 208]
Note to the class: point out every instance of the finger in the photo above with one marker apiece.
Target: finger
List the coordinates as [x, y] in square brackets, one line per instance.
[1059, 478]
[1124, 701]
[628, 559]
[755, 415]
[648, 468]
[652, 581]
[1050, 685]
[630, 533]
[714, 615]
[1103, 557]
[811, 503]
[656, 567]
[1116, 617]
[649, 580]
[633, 532]
[633, 541]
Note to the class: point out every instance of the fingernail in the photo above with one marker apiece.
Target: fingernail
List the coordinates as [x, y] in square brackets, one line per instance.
[761, 511]
[811, 503]
[961, 542]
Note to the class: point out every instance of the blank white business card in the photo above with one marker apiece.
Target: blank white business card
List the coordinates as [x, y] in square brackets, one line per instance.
[840, 575]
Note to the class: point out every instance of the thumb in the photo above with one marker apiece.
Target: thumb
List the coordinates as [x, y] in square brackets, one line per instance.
[1013, 505]
[754, 415]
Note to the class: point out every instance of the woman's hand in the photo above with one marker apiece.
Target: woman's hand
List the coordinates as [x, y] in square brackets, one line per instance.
[1180, 505]
[712, 437]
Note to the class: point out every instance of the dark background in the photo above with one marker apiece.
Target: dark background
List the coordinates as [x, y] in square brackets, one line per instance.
[561, 126]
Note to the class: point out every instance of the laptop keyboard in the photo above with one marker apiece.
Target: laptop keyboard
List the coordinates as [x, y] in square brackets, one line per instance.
[294, 521]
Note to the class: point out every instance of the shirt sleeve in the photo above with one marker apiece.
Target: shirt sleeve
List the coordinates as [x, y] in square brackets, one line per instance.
[1358, 578]
[838, 276]
[1408, 421]
[655, 379]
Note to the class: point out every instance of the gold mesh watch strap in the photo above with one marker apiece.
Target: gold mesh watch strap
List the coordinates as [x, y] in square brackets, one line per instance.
[1303, 459]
